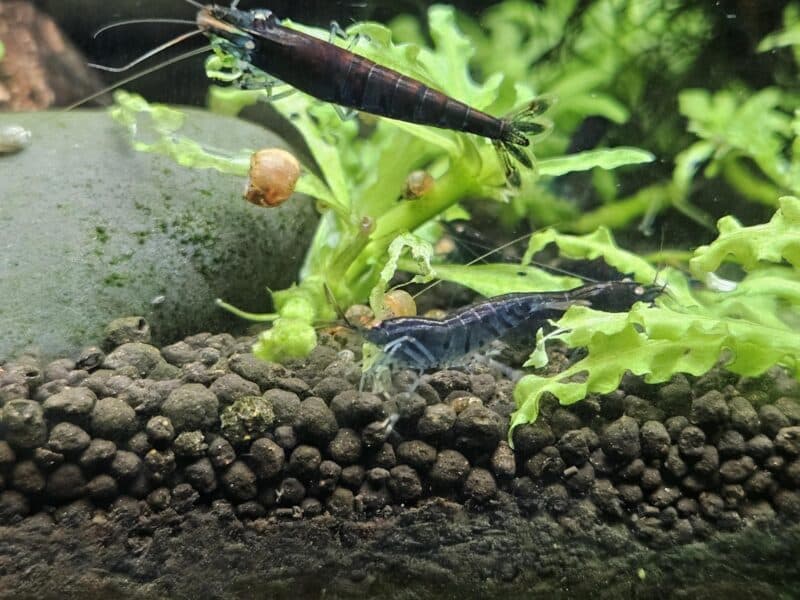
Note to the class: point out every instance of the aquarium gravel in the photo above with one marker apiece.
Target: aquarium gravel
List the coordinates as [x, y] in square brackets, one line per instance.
[203, 422]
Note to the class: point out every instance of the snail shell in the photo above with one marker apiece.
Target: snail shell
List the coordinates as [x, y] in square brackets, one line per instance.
[399, 303]
[418, 183]
[273, 175]
[13, 138]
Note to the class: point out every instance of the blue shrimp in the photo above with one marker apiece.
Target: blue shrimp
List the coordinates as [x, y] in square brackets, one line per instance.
[421, 343]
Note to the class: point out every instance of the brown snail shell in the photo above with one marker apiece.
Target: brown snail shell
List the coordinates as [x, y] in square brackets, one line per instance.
[418, 183]
[360, 314]
[273, 175]
[399, 303]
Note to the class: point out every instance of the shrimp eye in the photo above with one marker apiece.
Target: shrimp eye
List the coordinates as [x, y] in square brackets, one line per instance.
[263, 19]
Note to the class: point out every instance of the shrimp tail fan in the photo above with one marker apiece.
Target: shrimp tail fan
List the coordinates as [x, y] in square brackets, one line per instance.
[520, 126]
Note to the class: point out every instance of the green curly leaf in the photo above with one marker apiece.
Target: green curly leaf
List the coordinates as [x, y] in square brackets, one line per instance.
[421, 253]
[772, 242]
[607, 158]
[594, 245]
[656, 343]
[495, 279]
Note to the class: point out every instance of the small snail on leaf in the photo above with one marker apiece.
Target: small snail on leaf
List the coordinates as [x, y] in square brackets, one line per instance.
[273, 175]
[418, 183]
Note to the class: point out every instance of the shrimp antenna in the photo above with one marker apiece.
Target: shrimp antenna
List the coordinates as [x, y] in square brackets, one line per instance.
[148, 54]
[140, 21]
[195, 4]
[136, 76]
[503, 247]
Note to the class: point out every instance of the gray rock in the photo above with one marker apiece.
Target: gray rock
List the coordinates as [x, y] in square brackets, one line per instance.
[70, 404]
[125, 330]
[113, 419]
[66, 483]
[532, 437]
[160, 431]
[340, 504]
[144, 358]
[230, 387]
[285, 405]
[760, 447]
[548, 462]
[97, 455]
[744, 417]
[13, 507]
[709, 410]
[221, 452]
[102, 489]
[405, 484]
[126, 466]
[355, 409]
[67, 438]
[265, 374]
[192, 406]
[573, 447]
[708, 462]
[304, 462]
[450, 470]
[24, 423]
[437, 421]
[200, 474]
[416, 453]
[655, 439]
[240, 482]
[731, 444]
[183, 236]
[7, 454]
[27, 478]
[315, 422]
[620, 440]
[478, 428]
[345, 448]
[504, 463]
[788, 440]
[691, 442]
[47, 459]
[267, 458]
[480, 486]
[772, 419]
[160, 464]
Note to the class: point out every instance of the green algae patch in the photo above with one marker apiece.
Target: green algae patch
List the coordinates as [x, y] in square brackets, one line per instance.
[247, 419]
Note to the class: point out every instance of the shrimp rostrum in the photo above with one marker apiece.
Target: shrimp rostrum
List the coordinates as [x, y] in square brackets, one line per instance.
[421, 343]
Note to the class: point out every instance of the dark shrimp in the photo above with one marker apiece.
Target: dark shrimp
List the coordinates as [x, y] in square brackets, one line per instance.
[420, 343]
[336, 75]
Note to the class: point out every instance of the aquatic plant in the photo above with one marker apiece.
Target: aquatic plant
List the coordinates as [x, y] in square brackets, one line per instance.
[366, 231]
[605, 60]
[747, 326]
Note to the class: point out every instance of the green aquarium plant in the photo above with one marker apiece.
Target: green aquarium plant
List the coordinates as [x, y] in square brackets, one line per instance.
[367, 230]
[604, 60]
[747, 326]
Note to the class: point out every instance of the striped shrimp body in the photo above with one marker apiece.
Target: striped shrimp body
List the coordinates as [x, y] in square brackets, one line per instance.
[421, 343]
[334, 74]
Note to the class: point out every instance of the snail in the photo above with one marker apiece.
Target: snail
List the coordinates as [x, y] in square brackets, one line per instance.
[273, 175]
[400, 303]
[418, 183]
[13, 138]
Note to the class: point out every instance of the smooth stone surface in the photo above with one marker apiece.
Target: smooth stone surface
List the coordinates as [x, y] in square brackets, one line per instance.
[94, 230]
